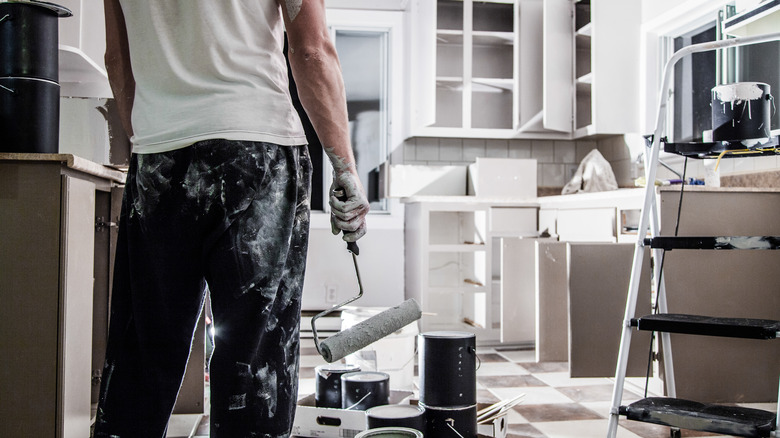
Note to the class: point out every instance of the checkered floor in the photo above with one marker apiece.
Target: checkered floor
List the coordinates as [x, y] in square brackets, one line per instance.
[554, 406]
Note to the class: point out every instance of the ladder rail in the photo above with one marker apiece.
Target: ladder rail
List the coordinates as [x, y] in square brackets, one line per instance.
[649, 208]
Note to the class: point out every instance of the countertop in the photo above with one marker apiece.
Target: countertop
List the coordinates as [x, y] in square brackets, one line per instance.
[71, 161]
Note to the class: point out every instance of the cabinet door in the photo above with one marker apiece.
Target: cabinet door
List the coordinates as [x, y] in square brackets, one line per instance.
[75, 337]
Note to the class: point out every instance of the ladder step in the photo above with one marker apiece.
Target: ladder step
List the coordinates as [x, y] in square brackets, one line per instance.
[714, 242]
[685, 414]
[709, 326]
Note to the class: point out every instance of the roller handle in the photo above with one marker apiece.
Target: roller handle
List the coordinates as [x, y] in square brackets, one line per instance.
[351, 246]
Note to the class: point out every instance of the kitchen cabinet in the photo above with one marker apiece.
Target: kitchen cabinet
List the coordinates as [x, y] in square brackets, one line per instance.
[49, 234]
[58, 231]
[491, 69]
[606, 62]
[453, 262]
[608, 217]
[82, 44]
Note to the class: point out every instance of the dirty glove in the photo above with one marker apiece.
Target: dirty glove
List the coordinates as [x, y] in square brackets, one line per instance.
[348, 206]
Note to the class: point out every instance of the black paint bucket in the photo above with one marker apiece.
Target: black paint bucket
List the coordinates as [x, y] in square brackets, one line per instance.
[364, 390]
[327, 392]
[455, 422]
[29, 39]
[741, 111]
[390, 432]
[448, 369]
[409, 416]
[29, 115]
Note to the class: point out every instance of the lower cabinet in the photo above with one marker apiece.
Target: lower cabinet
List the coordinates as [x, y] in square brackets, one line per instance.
[453, 263]
[58, 228]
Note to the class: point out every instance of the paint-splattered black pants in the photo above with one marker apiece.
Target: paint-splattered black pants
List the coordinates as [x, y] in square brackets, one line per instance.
[235, 216]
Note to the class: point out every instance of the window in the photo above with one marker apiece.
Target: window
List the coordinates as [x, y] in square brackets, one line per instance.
[363, 55]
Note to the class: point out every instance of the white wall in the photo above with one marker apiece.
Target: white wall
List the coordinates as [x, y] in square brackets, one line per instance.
[381, 264]
[668, 18]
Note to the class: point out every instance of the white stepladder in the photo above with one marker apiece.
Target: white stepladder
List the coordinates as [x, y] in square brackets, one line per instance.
[670, 411]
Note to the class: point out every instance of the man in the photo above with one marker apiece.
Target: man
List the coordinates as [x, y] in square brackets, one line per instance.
[217, 193]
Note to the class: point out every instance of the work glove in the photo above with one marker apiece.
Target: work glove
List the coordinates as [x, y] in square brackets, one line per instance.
[348, 206]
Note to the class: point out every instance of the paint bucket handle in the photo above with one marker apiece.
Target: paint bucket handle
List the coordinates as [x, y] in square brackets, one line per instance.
[473, 351]
[4, 17]
[10, 90]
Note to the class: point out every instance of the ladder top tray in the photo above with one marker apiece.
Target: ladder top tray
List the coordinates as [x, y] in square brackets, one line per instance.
[724, 149]
[685, 414]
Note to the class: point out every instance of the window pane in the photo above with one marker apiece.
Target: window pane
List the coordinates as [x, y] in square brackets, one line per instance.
[694, 77]
[761, 63]
[363, 57]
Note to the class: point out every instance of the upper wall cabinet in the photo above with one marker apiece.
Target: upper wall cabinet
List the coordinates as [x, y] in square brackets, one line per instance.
[491, 69]
[607, 66]
[82, 43]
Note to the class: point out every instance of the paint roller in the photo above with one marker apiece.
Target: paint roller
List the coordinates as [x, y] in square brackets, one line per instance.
[365, 332]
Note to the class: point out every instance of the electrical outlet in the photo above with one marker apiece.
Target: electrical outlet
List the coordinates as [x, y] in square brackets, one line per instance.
[331, 294]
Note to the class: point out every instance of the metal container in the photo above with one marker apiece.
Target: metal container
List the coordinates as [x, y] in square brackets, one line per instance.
[448, 369]
[457, 422]
[741, 111]
[29, 115]
[409, 416]
[364, 390]
[327, 392]
[29, 39]
[390, 432]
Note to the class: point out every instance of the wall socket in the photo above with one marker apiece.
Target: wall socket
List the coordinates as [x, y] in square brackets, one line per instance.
[331, 294]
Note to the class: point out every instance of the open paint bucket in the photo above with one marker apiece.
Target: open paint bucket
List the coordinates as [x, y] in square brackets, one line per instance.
[409, 416]
[364, 390]
[390, 432]
[327, 392]
[741, 111]
[456, 422]
[448, 369]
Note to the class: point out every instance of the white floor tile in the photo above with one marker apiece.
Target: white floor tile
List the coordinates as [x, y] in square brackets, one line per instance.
[519, 355]
[533, 395]
[580, 429]
[563, 379]
[500, 369]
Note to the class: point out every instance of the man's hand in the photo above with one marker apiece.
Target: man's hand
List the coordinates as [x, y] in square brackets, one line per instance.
[349, 206]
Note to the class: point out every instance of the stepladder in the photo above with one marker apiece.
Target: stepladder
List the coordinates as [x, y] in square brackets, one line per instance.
[669, 410]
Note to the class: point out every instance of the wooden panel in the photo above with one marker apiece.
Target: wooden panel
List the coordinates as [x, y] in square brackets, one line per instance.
[587, 225]
[518, 301]
[77, 249]
[29, 290]
[552, 298]
[558, 65]
[598, 283]
[737, 284]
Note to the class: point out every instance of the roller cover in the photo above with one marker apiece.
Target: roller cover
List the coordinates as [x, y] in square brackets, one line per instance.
[371, 330]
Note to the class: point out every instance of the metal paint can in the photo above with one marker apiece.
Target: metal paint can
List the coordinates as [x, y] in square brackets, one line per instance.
[29, 115]
[455, 422]
[364, 390]
[448, 369]
[327, 392]
[409, 416]
[390, 432]
[741, 111]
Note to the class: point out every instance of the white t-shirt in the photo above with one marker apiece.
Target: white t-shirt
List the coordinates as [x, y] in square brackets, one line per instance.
[208, 69]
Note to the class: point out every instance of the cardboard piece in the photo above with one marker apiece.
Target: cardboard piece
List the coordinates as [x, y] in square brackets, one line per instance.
[311, 421]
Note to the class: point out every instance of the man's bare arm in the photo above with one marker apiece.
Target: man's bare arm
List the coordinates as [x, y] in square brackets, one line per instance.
[317, 72]
[117, 58]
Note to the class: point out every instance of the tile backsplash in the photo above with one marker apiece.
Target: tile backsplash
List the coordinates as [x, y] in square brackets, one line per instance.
[557, 160]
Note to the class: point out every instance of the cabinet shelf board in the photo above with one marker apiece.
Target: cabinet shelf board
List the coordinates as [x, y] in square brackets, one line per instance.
[492, 85]
[492, 38]
[586, 79]
[463, 247]
[586, 30]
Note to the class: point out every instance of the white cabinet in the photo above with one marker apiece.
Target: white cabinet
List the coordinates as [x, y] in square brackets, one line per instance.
[82, 44]
[491, 69]
[453, 247]
[606, 60]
